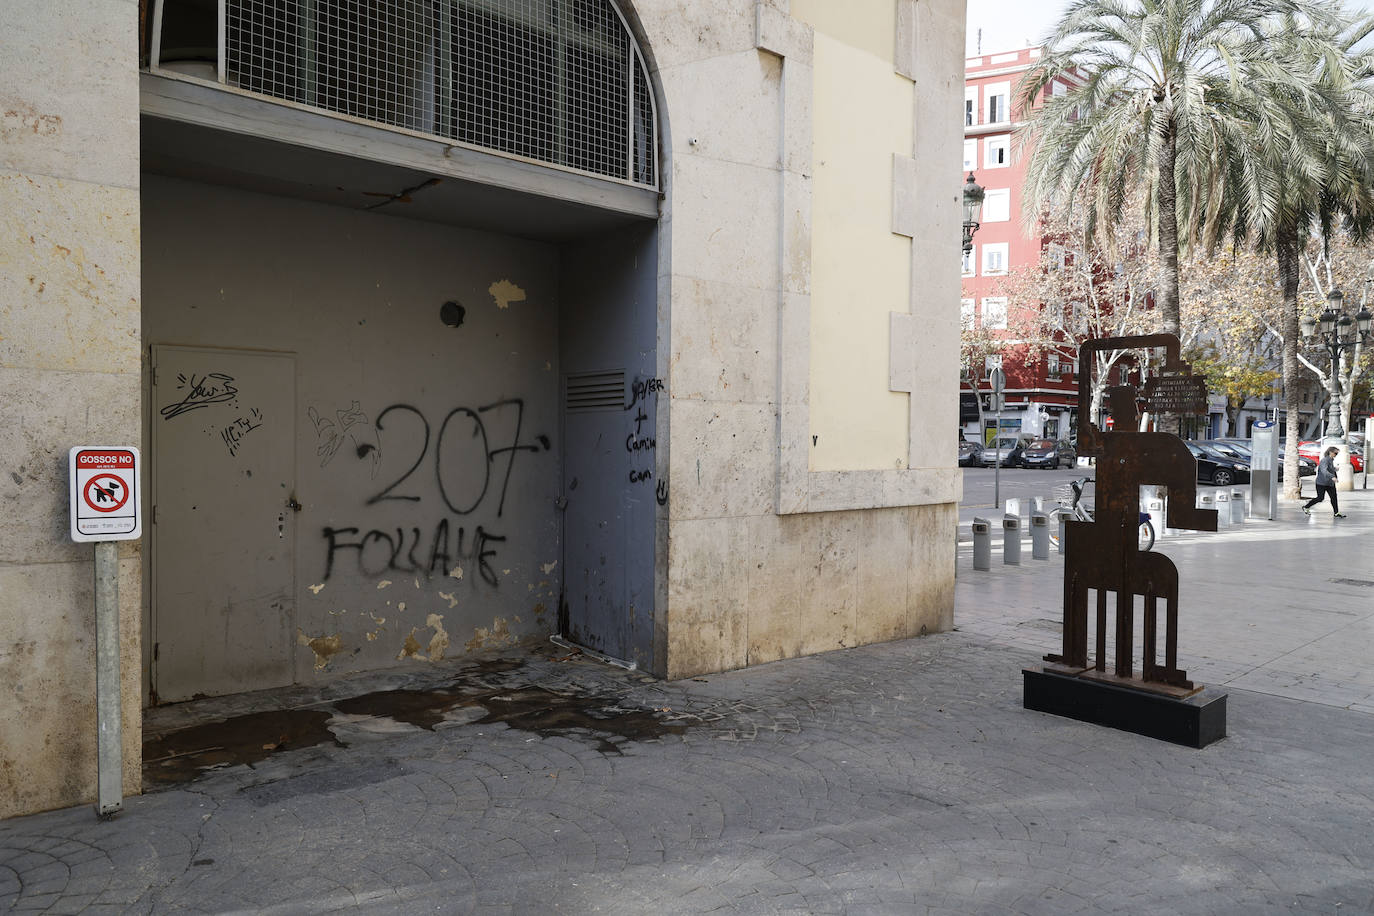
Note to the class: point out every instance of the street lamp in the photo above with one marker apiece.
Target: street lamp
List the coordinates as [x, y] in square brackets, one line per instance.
[973, 210]
[1335, 331]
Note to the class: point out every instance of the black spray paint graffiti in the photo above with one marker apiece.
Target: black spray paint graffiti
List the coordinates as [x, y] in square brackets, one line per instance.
[201, 391]
[378, 552]
[463, 457]
[639, 442]
[214, 388]
[353, 423]
[233, 433]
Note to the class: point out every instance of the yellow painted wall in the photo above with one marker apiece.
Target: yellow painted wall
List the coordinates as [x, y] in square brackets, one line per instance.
[860, 270]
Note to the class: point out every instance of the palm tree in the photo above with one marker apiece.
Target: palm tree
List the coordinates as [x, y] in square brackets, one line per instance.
[1308, 164]
[1149, 85]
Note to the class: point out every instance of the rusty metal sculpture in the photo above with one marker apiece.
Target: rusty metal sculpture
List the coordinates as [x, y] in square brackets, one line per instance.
[1104, 554]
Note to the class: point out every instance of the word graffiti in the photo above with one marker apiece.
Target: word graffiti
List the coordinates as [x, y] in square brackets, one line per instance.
[379, 552]
[233, 433]
[661, 493]
[215, 388]
[639, 441]
[640, 390]
[352, 422]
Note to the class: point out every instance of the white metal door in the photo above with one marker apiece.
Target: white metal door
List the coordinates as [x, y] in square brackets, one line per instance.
[223, 488]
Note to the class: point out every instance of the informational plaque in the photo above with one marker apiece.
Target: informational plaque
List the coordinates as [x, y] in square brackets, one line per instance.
[1176, 394]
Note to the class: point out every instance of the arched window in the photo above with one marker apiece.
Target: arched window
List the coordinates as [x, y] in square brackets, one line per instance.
[560, 82]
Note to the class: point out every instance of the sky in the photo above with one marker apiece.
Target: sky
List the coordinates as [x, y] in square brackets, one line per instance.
[1011, 24]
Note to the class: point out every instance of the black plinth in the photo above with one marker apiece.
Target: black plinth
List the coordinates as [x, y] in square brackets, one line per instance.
[1194, 720]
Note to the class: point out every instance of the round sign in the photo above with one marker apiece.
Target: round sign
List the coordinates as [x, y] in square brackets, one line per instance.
[105, 493]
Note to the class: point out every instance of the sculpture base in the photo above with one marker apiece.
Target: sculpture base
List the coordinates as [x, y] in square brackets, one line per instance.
[1195, 719]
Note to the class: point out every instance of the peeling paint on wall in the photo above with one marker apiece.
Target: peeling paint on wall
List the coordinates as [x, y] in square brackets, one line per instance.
[450, 597]
[411, 647]
[324, 647]
[316, 589]
[438, 643]
[548, 567]
[505, 292]
[496, 637]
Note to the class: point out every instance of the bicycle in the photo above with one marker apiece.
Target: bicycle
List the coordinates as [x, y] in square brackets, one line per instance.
[1079, 512]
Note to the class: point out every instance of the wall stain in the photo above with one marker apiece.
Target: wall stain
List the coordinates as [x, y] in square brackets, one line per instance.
[496, 637]
[324, 647]
[504, 292]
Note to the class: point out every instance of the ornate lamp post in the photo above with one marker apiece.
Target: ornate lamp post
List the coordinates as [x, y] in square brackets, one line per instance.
[1335, 331]
[973, 210]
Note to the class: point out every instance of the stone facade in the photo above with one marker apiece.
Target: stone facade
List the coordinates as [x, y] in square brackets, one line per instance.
[767, 544]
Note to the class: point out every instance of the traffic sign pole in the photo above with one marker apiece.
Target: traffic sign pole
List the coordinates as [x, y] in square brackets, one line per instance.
[105, 508]
[109, 728]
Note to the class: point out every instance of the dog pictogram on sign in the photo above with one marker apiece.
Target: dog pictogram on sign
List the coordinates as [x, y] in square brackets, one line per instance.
[104, 493]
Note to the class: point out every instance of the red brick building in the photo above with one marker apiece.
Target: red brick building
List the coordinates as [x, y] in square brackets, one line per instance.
[1040, 398]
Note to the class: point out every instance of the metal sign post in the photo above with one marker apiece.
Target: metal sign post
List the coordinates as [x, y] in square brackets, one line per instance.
[998, 378]
[105, 501]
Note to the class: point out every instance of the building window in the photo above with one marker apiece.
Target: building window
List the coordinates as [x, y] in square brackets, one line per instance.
[966, 314]
[563, 84]
[995, 312]
[970, 259]
[991, 361]
[1058, 89]
[995, 258]
[996, 152]
[998, 95]
[1055, 258]
[970, 155]
[970, 106]
[997, 206]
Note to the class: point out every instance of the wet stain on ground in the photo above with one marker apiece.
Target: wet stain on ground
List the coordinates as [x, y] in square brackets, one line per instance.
[182, 755]
[422, 708]
[545, 713]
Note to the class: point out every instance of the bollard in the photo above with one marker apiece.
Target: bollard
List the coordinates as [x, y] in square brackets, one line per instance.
[1154, 508]
[1040, 536]
[1063, 520]
[1223, 503]
[982, 544]
[1011, 540]
[1204, 501]
[1237, 507]
[1013, 506]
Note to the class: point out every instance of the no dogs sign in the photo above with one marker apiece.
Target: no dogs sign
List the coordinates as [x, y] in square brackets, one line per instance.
[104, 493]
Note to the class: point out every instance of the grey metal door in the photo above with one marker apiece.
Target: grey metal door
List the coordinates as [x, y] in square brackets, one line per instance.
[595, 474]
[223, 488]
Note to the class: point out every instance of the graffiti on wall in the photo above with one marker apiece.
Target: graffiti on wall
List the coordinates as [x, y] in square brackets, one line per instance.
[348, 423]
[208, 390]
[641, 442]
[460, 463]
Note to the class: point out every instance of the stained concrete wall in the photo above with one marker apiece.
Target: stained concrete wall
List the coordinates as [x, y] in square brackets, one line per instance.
[69, 375]
[357, 297]
[768, 555]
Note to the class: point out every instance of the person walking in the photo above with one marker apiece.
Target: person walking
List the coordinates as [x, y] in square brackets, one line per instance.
[1326, 483]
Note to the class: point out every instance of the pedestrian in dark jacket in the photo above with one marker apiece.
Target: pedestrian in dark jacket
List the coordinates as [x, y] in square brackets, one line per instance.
[1326, 483]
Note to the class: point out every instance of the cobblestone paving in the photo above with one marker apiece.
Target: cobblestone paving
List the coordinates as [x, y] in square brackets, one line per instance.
[901, 778]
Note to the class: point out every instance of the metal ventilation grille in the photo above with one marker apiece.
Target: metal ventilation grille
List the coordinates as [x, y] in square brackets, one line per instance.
[557, 81]
[596, 391]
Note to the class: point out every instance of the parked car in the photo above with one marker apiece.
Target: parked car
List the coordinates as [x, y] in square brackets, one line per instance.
[1049, 454]
[1243, 450]
[1216, 468]
[1313, 449]
[970, 453]
[1007, 449]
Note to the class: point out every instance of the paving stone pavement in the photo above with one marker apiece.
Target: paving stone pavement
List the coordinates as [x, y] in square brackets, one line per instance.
[898, 778]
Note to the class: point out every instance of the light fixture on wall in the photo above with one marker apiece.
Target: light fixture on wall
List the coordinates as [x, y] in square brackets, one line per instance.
[973, 210]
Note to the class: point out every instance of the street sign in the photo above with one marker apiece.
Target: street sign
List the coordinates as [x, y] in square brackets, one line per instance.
[104, 493]
[998, 378]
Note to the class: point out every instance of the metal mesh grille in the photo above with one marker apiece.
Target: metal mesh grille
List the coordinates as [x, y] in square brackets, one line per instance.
[559, 81]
